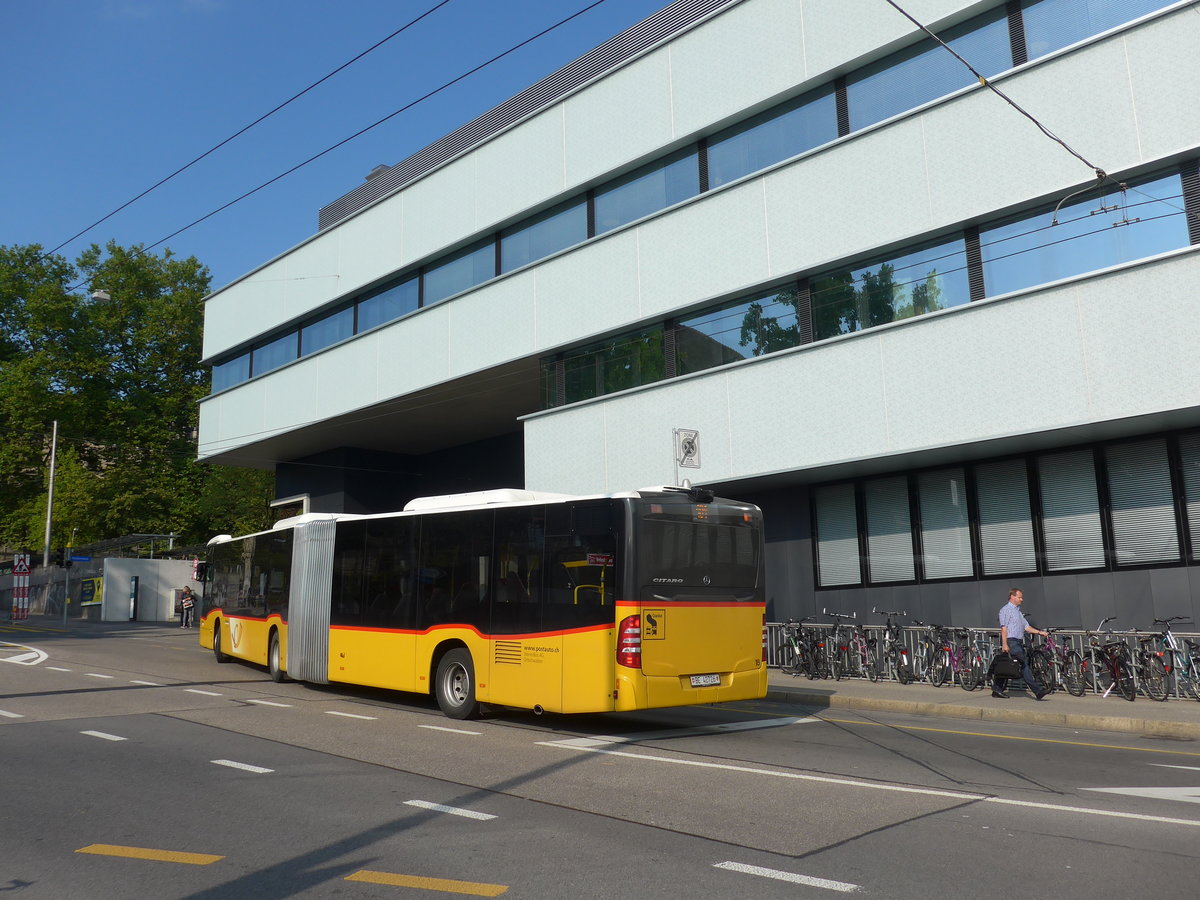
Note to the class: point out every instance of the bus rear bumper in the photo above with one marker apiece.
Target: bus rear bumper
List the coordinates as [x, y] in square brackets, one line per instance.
[638, 691]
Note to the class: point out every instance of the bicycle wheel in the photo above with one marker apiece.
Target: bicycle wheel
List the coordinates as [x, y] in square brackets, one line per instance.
[902, 667]
[837, 665]
[1124, 678]
[972, 671]
[939, 669]
[1043, 669]
[788, 659]
[873, 667]
[1075, 674]
[1154, 678]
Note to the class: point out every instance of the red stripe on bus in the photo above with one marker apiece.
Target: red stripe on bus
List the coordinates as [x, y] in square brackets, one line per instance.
[606, 626]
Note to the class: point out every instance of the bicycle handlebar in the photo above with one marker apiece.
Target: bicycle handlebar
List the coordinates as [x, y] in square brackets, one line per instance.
[834, 615]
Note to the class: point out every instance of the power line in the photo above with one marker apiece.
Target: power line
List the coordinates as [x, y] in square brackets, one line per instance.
[363, 131]
[1100, 173]
[243, 130]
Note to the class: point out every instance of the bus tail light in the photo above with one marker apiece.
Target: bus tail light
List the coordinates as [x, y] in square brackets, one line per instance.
[629, 642]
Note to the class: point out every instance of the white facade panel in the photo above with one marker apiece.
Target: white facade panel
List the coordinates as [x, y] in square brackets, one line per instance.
[733, 63]
[1071, 354]
[1142, 332]
[707, 247]
[588, 291]
[492, 326]
[232, 419]
[620, 118]
[1164, 70]
[570, 453]
[521, 168]
[415, 352]
[438, 210]
[639, 436]
[346, 377]
[254, 305]
[837, 31]
[290, 395]
[863, 193]
[370, 244]
[310, 276]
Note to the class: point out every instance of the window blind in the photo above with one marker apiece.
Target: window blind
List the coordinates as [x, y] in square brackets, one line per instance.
[1071, 511]
[1143, 511]
[945, 527]
[889, 530]
[837, 535]
[1005, 523]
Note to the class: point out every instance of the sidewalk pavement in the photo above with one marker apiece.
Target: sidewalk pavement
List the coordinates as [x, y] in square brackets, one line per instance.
[1173, 718]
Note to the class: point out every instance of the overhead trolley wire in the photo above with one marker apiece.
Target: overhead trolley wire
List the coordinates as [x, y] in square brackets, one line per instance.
[246, 128]
[362, 131]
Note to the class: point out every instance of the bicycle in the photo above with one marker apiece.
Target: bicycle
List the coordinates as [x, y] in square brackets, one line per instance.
[1150, 672]
[1111, 666]
[1057, 666]
[893, 657]
[1182, 664]
[924, 652]
[794, 655]
[842, 662]
[952, 659]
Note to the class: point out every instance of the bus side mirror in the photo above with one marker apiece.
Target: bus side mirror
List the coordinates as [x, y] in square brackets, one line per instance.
[201, 572]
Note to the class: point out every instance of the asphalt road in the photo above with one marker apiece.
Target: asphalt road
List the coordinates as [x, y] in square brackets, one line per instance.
[136, 766]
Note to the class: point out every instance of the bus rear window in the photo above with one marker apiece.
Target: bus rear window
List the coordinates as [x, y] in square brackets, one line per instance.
[698, 546]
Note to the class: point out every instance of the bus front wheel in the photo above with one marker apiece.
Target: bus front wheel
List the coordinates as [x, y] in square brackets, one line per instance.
[217, 652]
[454, 685]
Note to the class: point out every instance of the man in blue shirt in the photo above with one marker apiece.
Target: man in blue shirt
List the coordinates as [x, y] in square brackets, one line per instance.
[1013, 627]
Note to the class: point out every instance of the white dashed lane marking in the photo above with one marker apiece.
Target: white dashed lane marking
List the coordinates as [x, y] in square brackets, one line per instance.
[451, 810]
[104, 735]
[245, 767]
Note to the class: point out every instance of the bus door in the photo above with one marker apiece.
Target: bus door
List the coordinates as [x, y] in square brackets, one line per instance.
[701, 597]
[525, 664]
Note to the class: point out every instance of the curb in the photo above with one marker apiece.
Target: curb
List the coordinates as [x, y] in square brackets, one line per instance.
[1117, 724]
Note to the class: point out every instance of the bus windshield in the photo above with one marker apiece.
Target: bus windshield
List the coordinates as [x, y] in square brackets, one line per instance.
[702, 549]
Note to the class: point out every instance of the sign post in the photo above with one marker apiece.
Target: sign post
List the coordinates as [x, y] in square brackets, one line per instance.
[20, 601]
[687, 449]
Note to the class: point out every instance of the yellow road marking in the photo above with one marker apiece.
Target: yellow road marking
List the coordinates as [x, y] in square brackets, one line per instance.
[1008, 737]
[175, 856]
[475, 888]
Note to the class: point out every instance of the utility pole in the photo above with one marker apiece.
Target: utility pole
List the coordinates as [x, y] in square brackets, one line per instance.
[50, 497]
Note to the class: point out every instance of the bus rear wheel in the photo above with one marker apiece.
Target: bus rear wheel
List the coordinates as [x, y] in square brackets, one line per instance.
[454, 685]
[278, 675]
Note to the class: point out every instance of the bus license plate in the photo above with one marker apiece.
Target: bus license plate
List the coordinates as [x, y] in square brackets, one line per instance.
[705, 680]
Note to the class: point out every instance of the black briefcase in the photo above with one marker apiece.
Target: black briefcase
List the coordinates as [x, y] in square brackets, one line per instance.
[1004, 666]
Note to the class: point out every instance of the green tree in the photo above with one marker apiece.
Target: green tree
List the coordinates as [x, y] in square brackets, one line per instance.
[122, 376]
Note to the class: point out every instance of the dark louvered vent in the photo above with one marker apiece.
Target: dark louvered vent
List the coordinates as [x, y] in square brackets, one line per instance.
[607, 56]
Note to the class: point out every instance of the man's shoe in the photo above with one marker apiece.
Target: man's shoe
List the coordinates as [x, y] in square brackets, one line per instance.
[1000, 694]
[1040, 695]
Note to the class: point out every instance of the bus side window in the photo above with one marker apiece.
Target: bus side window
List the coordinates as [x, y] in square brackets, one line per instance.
[516, 573]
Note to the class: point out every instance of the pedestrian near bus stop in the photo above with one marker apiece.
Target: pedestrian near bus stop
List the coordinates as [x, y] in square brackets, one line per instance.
[1013, 628]
[187, 607]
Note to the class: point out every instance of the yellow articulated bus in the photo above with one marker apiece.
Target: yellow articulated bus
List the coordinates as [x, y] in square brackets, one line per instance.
[643, 599]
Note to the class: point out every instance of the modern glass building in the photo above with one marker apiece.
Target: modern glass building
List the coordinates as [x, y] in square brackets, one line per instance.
[931, 303]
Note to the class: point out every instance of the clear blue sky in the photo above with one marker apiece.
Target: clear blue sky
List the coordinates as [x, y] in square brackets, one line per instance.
[102, 98]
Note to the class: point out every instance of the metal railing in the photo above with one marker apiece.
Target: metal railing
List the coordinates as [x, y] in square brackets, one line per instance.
[1073, 639]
